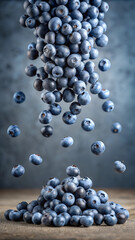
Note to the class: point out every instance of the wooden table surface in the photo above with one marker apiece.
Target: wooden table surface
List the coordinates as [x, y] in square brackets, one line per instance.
[20, 230]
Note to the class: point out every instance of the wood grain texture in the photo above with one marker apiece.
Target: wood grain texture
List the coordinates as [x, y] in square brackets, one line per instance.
[21, 231]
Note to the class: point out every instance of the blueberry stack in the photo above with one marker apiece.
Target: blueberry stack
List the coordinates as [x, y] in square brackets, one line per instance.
[66, 32]
[69, 202]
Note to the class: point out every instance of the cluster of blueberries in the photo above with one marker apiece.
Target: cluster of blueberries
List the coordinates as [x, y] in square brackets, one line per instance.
[66, 31]
[69, 202]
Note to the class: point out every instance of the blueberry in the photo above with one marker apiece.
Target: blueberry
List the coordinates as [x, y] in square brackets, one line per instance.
[84, 34]
[66, 19]
[103, 25]
[104, 7]
[66, 29]
[79, 87]
[48, 97]
[63, 51]
[75, 37]
[116, 127]
[104, 94]
[61, 11]
[31, 205]
[59, 221]
[93, 12]
[85, 183]
[60, 190]
[69, 118]
[112, 205]
[19, 97]
[103, 196]
[50, 37]
[55, 202]
[80, 192]
[104, 65]
[98, 147]
[84, 98]
[101, 16]
[104, 208]
[67, 142]
[81, 203]
[93, 53]
[73, 4]
[27, 217]
[73, 171]
[93, 78]
[88, 124]
[75, 210]
[122, 210]
[98, 219]
[18, 171]
[121, 218]
[94, 23]
[40, 200]
[75, 220]
[32, 45]
[55, 109]
[74, 47]
[68, 95]
[86, 26]
[30, 22]
[89, 193]
[96, 3]
[41, 73]
[68, 199]
[60, 39]
[57, 72]
[84, 76]
[75, 24]
[119, 167]
[37, 209]
[76, 14]
[49, 50]
[85, 47]
[58, 97]
[86, 221]
[60, 208]
[54, 24]
[23, 19]
[6, 213]
[89, 67]
[93, 202]
[97, 32]
[36, 218]
[69, 72]
[13, 131]
[75, 108]
[44, 18]
[74, 60]
[91, 41]
[38, 85]
[49, 84]
[90, 212]
[108, 106]
[44, 6]
[62, 82]
[32, 11]
[61, 62]
[70, 187]
[110, 220]
[47, 131]
[83, 7]
[22, 205]
[71, 81]
[66, 216]
[31, 70]
[46, 219]
[14, 216]
[45, 117]
[35, 159]
[50, 193]
[96, 88]
[41, 30]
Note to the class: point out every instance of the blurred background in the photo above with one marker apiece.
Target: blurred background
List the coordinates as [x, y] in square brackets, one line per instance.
[120, 80]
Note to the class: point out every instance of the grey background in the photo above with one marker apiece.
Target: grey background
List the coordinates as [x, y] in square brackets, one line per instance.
[121, 82]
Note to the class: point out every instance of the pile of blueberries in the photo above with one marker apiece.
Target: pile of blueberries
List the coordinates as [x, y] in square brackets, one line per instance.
[66, 31]
[69, 202]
